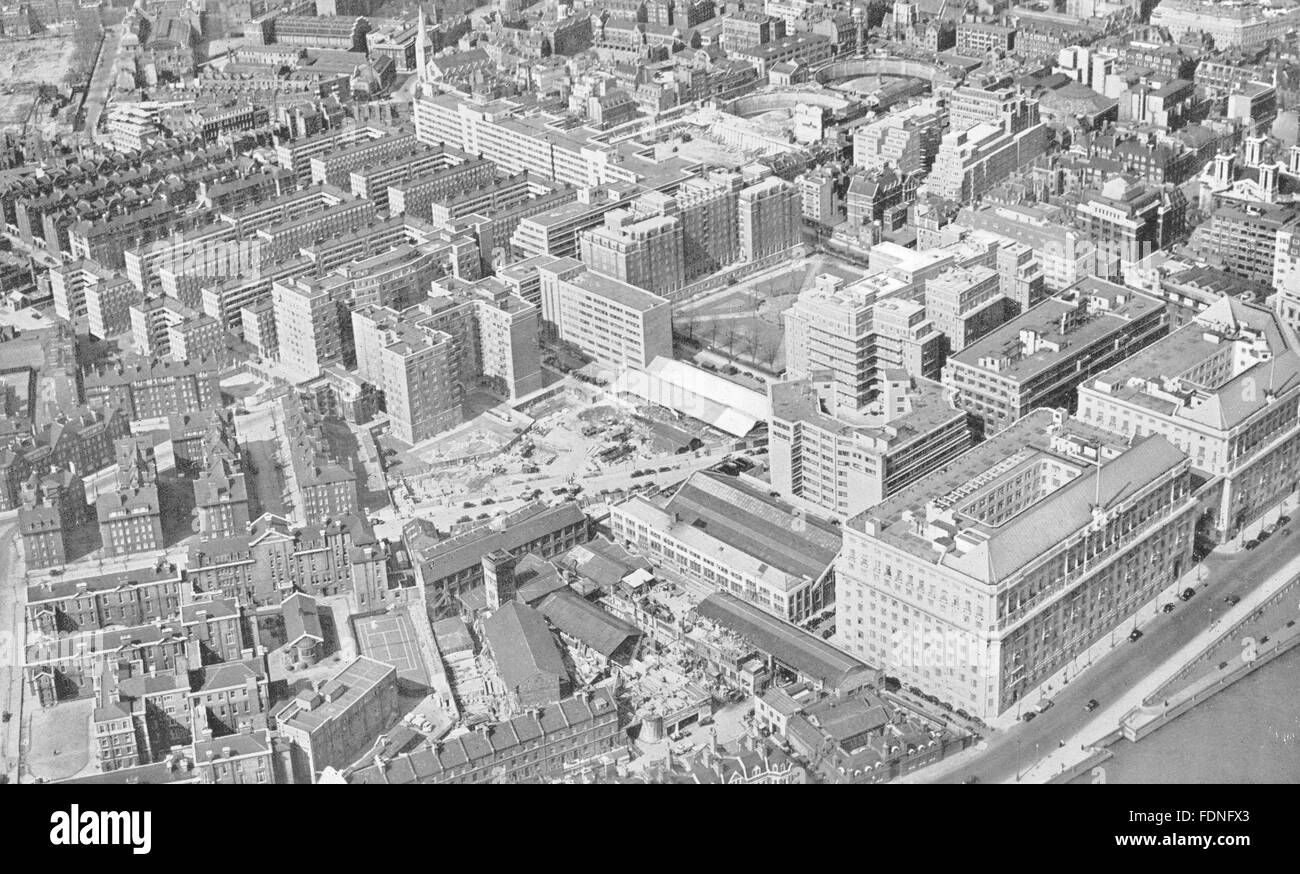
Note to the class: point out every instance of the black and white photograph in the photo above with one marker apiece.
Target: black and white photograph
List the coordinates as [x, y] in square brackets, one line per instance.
[651, 392]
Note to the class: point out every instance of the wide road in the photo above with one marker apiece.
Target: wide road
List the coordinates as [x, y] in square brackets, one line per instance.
[13, 600]
[1011, 752]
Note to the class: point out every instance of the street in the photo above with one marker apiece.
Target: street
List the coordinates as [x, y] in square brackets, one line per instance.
[13, 597]
[101, 81]
[257, 432]
[1009, 753]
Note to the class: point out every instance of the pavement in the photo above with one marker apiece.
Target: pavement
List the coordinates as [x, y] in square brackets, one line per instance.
[1122, 674]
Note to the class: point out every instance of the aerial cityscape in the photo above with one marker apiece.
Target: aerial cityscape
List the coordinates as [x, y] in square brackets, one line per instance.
[649, 391]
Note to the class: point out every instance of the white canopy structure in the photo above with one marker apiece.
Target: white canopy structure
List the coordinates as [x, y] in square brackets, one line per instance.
[698, 394]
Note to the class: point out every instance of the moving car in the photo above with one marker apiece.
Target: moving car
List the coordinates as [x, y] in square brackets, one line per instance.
[1092, 705]
[1232, 600]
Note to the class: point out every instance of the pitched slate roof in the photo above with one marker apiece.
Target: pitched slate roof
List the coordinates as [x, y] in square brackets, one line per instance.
[522, 645]
[582, 620]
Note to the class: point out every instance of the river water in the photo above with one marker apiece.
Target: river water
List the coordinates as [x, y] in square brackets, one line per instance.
[1249, 733]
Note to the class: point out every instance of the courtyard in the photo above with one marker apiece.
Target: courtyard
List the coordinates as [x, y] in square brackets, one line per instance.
[59, 740]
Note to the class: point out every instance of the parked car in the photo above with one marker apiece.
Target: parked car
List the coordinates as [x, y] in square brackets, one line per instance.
[1030, 716]
[1045, 705]
[1252, 543]
[1188, 593]
[1168, 608]
[1134, 635]
[1092, 705]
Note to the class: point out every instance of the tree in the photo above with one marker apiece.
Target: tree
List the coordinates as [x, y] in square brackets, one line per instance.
[712, 331]
[750, 339]
[729, 338]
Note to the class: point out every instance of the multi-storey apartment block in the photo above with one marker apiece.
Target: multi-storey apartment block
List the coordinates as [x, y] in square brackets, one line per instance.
[617, 324]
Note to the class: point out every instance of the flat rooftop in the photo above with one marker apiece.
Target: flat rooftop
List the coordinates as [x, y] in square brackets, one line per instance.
[1199, 372]
[1123, 306]
[929, 410]
[338, 694]
[628, 296]
[994, 549]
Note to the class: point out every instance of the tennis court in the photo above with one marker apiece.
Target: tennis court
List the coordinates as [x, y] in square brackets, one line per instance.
[390, 638]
